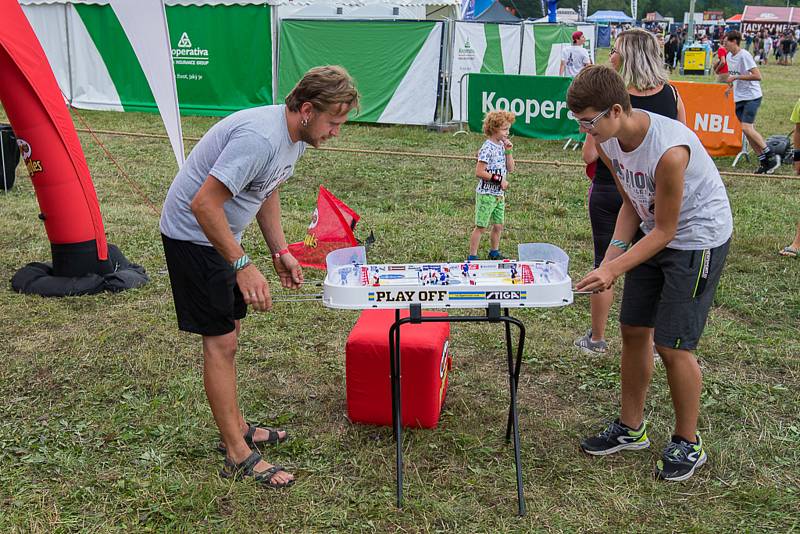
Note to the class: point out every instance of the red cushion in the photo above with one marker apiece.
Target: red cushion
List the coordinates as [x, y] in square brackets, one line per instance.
[425, 364]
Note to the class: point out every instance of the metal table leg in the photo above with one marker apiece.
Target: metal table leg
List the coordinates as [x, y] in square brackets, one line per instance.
[397, 423]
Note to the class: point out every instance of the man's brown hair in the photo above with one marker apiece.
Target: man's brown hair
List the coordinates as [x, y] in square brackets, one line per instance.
[329, 88]
[733, 35]
[598, 87]
[495, 120]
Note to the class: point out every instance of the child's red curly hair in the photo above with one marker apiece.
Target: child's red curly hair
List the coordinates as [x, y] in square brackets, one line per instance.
[494, 120]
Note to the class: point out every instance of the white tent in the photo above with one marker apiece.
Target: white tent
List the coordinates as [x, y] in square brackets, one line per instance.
[565, 15]
[366, 9]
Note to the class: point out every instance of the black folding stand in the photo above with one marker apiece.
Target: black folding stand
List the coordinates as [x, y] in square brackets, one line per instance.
[492, 316]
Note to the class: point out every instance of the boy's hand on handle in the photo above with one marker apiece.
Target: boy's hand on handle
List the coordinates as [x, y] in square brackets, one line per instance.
[598, 280]
[254, 288]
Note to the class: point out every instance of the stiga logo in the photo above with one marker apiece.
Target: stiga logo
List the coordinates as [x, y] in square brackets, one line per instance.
[33, 166]
[503, 295]
[409, 296]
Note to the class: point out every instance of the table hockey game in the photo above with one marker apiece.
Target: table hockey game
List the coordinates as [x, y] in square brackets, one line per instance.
[539, 279]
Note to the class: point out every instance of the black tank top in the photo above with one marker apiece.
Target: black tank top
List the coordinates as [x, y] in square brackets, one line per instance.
[664, 103]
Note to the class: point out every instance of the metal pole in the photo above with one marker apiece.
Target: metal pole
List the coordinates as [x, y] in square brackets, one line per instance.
[71, 88]
[690, 29]
[442, 75]
[451, 40]
[397, 423]
[521, 44]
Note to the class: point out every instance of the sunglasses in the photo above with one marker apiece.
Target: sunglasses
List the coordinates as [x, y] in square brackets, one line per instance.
[589, 124]
[612, 51]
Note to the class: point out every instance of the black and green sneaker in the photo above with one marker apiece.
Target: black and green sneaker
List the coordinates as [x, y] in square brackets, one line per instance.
[680, 459]
[616, 437]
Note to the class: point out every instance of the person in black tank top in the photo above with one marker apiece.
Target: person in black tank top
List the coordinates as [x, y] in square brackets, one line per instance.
[649, 89]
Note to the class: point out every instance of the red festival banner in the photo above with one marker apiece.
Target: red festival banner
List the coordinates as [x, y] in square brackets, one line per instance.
[711, 114]
[331, 228]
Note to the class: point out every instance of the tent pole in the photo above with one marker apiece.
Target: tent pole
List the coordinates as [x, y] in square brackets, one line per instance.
[442, 85]
[451, 36]
[70, 97]
[521, 42]
[276, 43]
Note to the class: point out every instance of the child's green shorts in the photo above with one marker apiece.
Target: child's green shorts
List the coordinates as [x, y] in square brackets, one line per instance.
[489, 209]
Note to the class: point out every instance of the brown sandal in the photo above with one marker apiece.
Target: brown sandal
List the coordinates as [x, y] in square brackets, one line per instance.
[273, 437]
[245, 469]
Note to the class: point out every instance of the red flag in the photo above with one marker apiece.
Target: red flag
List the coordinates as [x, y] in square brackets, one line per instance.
[331, 228]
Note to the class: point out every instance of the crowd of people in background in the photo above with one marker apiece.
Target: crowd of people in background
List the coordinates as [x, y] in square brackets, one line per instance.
[764, 45]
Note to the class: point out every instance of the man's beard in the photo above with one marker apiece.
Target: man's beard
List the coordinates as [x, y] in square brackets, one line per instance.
[306, 137]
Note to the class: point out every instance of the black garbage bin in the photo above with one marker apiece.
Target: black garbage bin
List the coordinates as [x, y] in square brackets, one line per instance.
[9, 157]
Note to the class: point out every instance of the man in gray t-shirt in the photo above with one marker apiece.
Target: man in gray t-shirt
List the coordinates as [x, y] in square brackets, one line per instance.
[231, 177]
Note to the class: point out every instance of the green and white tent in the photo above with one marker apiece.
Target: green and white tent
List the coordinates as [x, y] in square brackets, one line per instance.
[481, 47]
[222, 54]
[395, 63]
[225, 58]
[542, 44]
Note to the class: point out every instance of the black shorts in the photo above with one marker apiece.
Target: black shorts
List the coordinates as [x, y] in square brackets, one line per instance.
[207, 298]
[604, 205]
[673, 292]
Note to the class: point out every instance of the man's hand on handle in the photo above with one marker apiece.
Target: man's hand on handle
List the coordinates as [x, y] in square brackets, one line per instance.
[289, 271]
[254, 288]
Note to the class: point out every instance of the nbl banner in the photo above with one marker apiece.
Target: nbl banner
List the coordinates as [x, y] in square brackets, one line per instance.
[539, 102]
[711, 114]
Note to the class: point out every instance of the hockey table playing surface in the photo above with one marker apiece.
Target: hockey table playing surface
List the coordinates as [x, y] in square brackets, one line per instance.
[509, 283]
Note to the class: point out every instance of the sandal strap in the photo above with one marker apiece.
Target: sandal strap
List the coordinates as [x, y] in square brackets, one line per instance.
[251, 431]
[273, 435]
[246, 466]
[267, 474]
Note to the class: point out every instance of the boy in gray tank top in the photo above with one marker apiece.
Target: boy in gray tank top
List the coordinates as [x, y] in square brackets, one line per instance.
[671, 239]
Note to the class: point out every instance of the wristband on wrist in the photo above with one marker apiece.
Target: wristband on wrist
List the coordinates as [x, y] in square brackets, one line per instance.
[619, 244]
[281, 252]
[797, 154]
[241, 263]
[509, 151]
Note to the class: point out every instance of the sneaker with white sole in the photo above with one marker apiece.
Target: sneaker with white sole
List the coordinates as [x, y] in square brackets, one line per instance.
[680, 459]
[768, 165]
[591, 347]
[616, 437]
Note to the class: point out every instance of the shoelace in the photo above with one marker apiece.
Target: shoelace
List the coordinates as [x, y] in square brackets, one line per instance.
[613, 428]
[677, 451]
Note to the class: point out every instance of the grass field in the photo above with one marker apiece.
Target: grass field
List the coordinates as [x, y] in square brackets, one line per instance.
[105, 425]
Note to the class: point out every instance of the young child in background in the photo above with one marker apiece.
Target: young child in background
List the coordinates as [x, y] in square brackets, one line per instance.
[495, 161]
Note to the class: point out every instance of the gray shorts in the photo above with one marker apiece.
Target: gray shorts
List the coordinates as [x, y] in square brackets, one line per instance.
[673, 292]
[746, 110]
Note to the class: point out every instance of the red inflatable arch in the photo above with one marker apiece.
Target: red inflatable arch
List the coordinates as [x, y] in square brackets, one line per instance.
[52, 153]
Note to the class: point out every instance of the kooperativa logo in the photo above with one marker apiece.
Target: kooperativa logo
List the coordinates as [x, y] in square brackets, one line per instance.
[187, 54]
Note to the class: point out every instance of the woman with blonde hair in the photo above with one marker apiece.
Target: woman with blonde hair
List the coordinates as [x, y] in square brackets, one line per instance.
[639, 59]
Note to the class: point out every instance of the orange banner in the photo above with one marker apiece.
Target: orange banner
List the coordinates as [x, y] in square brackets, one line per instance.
[711, 114]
